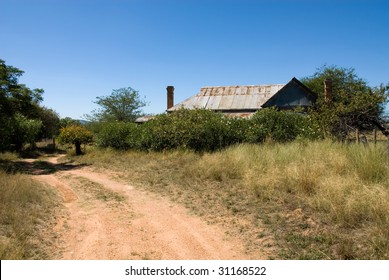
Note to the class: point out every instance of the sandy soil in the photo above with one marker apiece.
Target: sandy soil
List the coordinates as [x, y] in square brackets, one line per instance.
[142, 225]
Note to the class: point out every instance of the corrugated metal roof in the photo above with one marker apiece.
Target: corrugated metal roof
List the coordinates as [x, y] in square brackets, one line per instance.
[230, 97]
[144, 119]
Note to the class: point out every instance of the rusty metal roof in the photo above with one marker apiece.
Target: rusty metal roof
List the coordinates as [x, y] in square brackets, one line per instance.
[230, 98]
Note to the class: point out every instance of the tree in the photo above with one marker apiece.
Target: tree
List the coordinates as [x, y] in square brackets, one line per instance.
[75, 134]
[19, 109]
[8, 84]
[354, 104]
[50, 122]
[15, 97]
[24, 131]
[122, 105]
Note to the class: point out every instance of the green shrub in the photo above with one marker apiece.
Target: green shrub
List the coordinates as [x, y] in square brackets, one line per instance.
[115, 135]
[197, 130]
[203, 130]
[281, 126]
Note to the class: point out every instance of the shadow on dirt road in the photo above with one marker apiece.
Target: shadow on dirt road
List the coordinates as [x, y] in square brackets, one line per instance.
[33, 166]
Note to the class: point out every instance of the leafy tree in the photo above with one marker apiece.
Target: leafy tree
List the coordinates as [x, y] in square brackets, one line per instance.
[75, 134]
[19, 109]
[354, 104]
[50, 122]
[8, 84]
[122, 105]
[15, 97]
[24, 131]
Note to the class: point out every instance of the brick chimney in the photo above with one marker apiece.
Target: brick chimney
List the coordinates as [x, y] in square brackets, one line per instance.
[328, 90]
[170, 97]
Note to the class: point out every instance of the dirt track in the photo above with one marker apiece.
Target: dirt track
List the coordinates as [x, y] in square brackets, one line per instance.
[105, 218]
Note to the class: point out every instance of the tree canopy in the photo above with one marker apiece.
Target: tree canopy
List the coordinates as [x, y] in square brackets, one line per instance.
[15, 97]
[22, 117]
[124, 104]
[354, 103]
[75, 134]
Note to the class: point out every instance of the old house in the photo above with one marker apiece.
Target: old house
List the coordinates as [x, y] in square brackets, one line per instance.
[243, 101]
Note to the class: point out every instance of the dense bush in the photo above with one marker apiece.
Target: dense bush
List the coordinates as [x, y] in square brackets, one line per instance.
[204, 130]
[281, 126]
[5, 134]
[198, 130]
[115, 134]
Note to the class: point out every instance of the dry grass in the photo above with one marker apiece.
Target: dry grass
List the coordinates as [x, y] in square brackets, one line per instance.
[26, 215]
[304, 200]
[92, 190]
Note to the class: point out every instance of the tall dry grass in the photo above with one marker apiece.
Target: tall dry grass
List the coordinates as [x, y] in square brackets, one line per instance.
[314, 200]
[26, 215]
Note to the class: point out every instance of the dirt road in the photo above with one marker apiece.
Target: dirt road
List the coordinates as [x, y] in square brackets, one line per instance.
[105, 218]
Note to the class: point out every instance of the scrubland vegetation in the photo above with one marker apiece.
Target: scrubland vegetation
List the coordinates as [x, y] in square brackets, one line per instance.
[278, 180]
[319, 200]
[203, 130]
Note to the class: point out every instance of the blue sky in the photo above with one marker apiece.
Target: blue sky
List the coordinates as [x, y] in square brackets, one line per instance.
[77, 50]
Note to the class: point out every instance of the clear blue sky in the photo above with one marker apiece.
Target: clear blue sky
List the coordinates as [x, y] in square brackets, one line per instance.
[77, 50]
